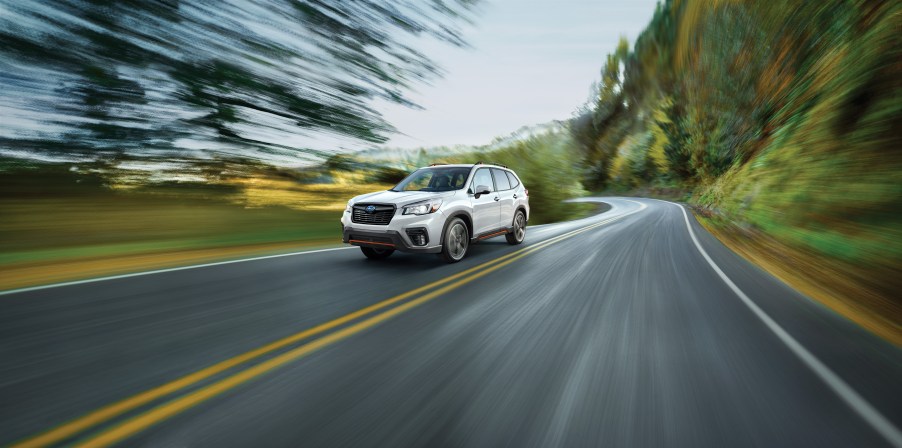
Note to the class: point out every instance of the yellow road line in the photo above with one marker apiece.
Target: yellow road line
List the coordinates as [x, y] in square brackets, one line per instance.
[113, 410]
[156, 415]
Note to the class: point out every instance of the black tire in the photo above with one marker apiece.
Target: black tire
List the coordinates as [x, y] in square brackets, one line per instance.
[376, 253]
[455, 241]
[518, 233]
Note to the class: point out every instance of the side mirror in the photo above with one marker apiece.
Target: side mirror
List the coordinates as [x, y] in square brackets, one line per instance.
[482, 189]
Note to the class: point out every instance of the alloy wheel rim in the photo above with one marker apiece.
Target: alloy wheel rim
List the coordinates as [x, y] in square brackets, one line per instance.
[457, 241]
[520, 230]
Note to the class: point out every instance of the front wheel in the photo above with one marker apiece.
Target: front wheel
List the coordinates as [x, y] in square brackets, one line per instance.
[519, 232]
[376, 253]
[455, 242]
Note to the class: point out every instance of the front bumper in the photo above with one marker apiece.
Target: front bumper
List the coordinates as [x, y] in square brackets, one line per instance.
[395, 236]
[388, 239]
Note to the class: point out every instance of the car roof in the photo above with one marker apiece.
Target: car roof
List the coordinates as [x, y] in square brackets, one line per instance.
[465, 165]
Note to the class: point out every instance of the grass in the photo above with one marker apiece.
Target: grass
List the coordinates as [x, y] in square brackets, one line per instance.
[46, 239]
[58, 227]
[101, 225]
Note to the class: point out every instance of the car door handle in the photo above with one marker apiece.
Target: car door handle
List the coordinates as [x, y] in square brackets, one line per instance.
[496, 198]
[515, 196]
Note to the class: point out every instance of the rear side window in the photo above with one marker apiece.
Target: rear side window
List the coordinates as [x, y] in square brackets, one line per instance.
[501, 180]
[514, 182]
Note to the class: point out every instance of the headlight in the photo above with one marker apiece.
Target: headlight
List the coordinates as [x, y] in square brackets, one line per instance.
[348, 207]
[422, 208]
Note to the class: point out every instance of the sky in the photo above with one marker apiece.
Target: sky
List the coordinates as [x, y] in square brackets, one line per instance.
[530, 62]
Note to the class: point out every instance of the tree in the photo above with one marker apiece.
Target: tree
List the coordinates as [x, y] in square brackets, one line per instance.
[246, 76]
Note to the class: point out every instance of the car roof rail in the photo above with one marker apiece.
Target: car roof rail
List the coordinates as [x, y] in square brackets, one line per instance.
[496, 164]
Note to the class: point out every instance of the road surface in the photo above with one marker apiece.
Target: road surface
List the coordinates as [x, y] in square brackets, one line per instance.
[634, 327]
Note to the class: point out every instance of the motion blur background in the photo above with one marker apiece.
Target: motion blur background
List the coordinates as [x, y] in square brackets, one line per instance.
[144, 134]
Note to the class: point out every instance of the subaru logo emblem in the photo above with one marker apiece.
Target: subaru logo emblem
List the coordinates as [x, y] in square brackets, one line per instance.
[370, 208]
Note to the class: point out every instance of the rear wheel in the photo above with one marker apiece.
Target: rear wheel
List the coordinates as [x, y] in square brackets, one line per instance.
[374, 253]
[519, 232]
[456, 241]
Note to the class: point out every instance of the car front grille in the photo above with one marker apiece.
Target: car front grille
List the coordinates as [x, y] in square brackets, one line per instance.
[379, 215]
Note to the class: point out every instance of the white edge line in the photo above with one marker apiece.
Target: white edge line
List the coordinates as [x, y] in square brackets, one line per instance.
[864, 409]
[160, 271]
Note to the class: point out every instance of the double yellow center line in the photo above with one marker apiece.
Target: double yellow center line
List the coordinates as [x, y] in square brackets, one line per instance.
[144, 420]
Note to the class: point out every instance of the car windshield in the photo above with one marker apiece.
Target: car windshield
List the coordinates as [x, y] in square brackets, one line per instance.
[434, 179]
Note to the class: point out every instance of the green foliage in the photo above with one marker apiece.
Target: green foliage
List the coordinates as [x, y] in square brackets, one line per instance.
[672, 122]
[339, 162]
[783, 115]
[549, 167]
[389, 175]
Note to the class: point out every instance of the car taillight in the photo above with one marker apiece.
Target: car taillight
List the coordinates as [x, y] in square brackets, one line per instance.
[526, 190]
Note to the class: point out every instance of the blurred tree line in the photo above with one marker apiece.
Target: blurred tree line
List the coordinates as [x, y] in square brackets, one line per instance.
[240, 76]
[782, 115]
[550, 169]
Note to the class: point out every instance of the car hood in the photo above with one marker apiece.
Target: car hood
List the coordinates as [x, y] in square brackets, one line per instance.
[399, 198]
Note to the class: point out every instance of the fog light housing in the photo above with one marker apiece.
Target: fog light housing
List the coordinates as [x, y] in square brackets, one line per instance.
[418, 236]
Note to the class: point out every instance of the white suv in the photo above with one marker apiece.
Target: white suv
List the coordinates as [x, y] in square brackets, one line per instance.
[439, 209]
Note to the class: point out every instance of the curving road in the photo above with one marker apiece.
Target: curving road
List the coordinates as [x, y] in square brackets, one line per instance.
[634, 327]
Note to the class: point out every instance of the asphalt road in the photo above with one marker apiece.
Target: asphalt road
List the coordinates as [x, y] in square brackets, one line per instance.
[623, 329]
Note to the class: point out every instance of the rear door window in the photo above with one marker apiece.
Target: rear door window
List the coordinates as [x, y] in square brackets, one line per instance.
[501, 180]
[513, 179]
